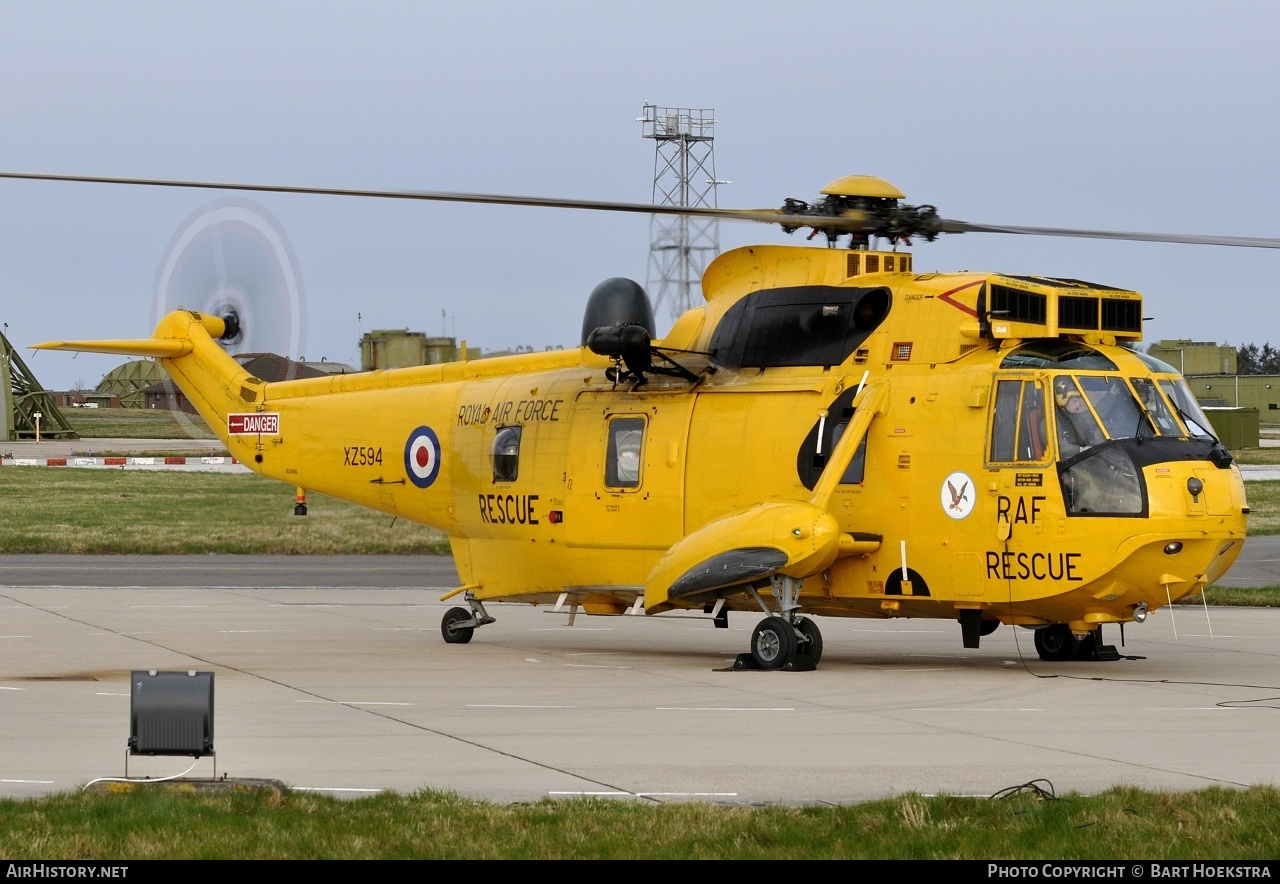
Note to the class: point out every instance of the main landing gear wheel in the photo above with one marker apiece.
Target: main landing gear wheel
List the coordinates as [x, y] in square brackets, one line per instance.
[810, 645]
[773, 643]
[452, 626]
[1056, 643]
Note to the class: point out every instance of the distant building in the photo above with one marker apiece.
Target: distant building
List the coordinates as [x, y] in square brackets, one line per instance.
[523, 348]
[324, 366]
[401, 348]
[1260, 391]
[87, 399]
[126, 383]
[1210, 370]
[1195, 357]
[272, 368]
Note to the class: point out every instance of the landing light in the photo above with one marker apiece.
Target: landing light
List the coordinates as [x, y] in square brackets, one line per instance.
[1140, 612]
[1173, 548]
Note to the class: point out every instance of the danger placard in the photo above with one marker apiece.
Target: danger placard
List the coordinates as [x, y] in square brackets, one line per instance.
[258, 423]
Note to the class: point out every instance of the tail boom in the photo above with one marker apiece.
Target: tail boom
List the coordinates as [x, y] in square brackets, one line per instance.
[186, 345]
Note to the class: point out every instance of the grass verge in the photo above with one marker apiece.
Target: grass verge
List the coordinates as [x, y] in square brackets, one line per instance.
[57, 510]
[1118, 824]
[1258, 456]
[1264, 507]
[1237, 596]
[136, 423]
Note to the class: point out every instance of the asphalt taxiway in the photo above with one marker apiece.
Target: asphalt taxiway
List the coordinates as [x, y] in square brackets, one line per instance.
[331, 675]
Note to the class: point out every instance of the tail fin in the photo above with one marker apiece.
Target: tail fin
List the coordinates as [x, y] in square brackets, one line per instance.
[185, 344]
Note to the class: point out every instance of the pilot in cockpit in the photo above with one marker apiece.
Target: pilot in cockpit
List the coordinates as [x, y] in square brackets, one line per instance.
[1077, 428]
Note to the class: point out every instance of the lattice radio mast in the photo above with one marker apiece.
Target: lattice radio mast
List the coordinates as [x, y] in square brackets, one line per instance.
[684, 174]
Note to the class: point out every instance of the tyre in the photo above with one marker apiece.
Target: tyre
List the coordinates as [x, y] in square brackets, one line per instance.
[452, 628]
[773, 643]
[1056, 643]
[811, 647]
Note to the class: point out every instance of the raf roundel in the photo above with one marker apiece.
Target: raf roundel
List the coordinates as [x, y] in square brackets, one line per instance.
[422, 457]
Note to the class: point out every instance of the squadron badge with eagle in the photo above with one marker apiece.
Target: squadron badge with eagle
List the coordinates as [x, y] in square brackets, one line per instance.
[957, 495]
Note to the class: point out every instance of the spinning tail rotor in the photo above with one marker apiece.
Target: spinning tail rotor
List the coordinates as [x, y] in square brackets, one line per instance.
[231, 259]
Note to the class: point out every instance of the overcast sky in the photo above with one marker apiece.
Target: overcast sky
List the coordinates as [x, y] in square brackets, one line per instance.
[1129, 116]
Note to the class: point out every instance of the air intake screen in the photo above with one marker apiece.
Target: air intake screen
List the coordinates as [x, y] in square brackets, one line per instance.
[1017, 305]
[1120, 315]
[1077, 312]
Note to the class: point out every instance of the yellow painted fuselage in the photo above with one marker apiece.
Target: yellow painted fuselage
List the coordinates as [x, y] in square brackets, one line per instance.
[923, 473]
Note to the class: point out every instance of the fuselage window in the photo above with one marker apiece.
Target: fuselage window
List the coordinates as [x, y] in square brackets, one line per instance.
[626, 447]
[506, 454]
[1064, 355]
[798, 325]
[855, 470]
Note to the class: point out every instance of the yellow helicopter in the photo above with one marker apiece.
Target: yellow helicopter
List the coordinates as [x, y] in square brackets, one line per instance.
[834, 433]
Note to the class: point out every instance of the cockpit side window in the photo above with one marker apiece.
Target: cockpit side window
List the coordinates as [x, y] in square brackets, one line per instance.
[1188, 409]
[1032, 435]
[1019, 428]
[1005, 420]
[1155, 406]
[1102, 481]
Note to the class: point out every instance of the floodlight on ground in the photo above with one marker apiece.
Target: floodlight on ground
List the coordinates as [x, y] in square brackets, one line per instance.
[171, 713]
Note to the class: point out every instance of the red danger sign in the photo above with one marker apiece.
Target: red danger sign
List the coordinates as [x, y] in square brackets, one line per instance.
[258, 423]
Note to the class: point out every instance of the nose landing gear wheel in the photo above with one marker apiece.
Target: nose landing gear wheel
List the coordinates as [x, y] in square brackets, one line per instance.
[773, 643]
[452, 626]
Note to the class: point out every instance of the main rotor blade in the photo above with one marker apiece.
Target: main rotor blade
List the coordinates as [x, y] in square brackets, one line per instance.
[1247, 242]
[768, 216]
[848, 222]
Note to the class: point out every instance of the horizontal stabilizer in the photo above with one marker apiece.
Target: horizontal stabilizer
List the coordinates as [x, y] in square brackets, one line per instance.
[150, 347]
